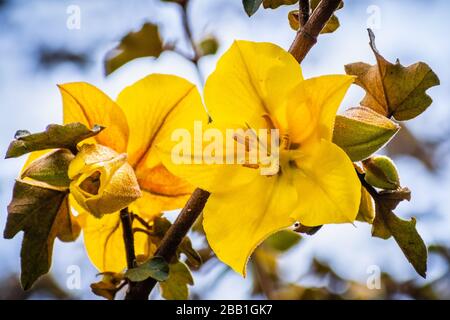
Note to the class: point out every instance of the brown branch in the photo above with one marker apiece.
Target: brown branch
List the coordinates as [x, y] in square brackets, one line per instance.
[306, 37]
[304, 11]
[128, 237]
[171, 240]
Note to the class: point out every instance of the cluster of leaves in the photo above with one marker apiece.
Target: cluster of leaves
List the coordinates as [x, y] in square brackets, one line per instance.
[174, 277]
[252, 6]
[39, 206]
[147, 42]
[392, 92]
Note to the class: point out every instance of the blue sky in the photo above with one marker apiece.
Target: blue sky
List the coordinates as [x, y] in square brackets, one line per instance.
[408, 30]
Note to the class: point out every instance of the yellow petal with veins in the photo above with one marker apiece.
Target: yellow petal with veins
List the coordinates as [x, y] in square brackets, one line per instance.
[313, 105]
[103, 239]
[236, 222]
[83, 102]
[156, 106]
[251, 79]
[328, 188]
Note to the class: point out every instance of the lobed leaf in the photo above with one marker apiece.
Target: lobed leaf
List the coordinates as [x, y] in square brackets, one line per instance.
[42, 214]
[387, 224]
[392, 89]
[55, 136]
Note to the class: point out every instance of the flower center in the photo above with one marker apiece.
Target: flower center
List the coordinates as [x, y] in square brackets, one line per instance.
[91, 184]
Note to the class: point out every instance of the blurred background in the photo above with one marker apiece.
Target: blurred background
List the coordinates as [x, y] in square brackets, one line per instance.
[38, 50]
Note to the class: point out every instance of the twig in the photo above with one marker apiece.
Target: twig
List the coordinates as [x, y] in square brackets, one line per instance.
[172, 240]
[128, 237]
[372, 191]
[306, 37]
[187, 29]
[303, 12]
[141, 221]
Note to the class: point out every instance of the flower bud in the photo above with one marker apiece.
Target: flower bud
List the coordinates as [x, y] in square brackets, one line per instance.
[381, 173]
[102, 180]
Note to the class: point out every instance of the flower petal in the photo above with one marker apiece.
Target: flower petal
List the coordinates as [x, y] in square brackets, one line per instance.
[82, 102]
[251, 79]
[236, 222]
[103, 239]
[156, 106]
[199, 156]
[328, 188]
[313, 105]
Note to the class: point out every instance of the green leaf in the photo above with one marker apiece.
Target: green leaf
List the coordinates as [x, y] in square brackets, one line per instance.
[208, 46]
[156, 268]
[381, 172]
[283, 240]
[251, 6]
[194, 260]
[42, 214]
[176, 286]
[392, 89]
[51, 168]
[361, 131]
[387, 224]
[273, 4]
[143, 43]
[55, 136]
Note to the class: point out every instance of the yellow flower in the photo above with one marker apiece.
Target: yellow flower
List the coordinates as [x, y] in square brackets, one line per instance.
[144, 114]
[260, 86]
[102, 180]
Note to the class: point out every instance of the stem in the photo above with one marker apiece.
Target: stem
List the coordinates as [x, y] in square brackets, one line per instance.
[372, 191]
[188, 31]
[128, 237]
[172, 240]
[304, 12]
[306, 37]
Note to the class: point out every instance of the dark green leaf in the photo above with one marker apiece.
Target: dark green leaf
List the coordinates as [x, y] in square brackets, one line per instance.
[387, 224]
[156, 268]
[55, 136]
[283, 240]
[251, 6]
[42, 214]
[143, 43]
[51, 168]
